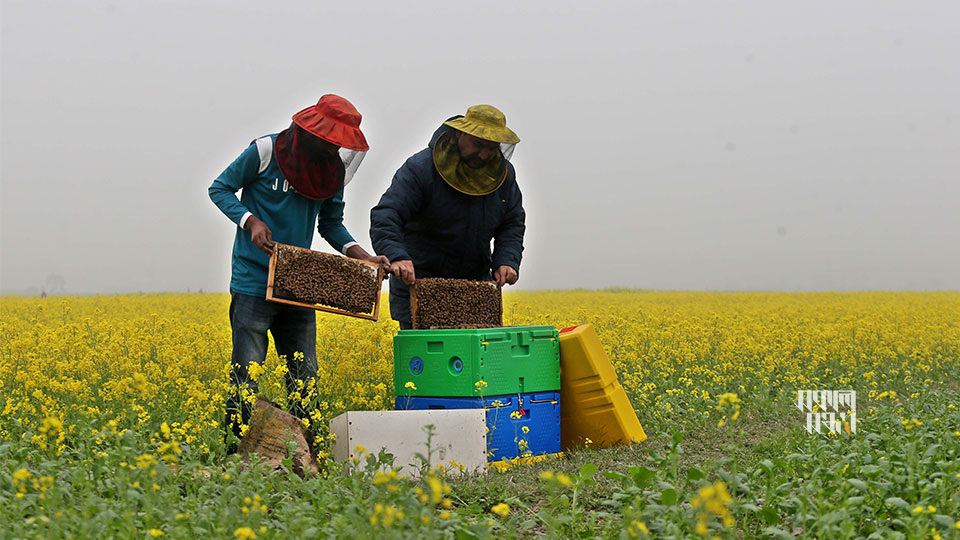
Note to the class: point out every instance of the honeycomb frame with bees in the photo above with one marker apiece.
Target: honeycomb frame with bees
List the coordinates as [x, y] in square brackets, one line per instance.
[324, 282]
[440, 303]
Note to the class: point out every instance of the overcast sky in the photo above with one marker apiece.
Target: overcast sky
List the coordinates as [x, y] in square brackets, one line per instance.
[741, 145]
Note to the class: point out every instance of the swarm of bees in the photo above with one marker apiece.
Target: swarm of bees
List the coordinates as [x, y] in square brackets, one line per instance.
[456, 303]
[312, 277]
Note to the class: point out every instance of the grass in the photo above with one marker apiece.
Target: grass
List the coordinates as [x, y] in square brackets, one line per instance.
[761, 476]
[763, 435]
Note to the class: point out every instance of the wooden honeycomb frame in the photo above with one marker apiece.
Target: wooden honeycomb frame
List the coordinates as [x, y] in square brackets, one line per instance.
[271, 275]
[414, 307]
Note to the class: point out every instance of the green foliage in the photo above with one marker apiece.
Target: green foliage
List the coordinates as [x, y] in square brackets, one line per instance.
[886, 481]
[85, 451]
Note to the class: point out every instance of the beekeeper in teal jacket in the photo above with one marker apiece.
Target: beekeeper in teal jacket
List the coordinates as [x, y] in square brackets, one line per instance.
[292, 181]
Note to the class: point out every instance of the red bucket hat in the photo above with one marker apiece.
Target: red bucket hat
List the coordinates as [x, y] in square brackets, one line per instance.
[335, 120]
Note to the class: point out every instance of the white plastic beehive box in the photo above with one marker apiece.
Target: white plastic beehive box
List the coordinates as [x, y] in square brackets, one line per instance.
[459, 441]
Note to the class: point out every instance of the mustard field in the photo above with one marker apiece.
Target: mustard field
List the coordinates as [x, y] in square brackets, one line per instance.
[112, 410]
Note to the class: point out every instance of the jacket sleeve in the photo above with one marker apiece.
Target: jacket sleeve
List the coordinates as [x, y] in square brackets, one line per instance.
[508, 237]
[223, 191]
[330, 223]
[402, 200]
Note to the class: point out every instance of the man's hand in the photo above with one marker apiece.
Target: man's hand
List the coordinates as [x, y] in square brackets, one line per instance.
[357, 252]
[404, 270]
[505, 275]
[260, 234]
[383, 262]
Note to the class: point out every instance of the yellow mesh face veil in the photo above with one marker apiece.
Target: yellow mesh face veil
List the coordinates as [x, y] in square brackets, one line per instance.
[480, 181]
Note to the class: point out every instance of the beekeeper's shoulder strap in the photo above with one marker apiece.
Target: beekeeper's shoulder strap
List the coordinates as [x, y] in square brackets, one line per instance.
[265, 149]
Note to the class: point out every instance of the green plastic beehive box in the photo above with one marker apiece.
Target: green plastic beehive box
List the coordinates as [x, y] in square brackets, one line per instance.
[449, 363]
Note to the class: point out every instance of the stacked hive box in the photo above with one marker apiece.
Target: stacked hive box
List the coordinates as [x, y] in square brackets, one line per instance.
[513, 373]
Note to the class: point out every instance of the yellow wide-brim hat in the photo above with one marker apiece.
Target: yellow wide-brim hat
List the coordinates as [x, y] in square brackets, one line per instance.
[485, 122]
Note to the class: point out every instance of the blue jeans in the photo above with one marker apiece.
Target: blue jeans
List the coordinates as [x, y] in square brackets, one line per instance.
[294, 330]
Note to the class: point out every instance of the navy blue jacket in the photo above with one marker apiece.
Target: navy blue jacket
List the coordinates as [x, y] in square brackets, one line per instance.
[444, 232]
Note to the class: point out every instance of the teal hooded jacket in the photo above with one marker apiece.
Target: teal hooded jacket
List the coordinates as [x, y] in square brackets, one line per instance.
[268, 196]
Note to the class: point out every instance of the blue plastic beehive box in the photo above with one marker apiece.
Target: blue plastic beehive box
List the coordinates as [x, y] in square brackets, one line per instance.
[541, 416]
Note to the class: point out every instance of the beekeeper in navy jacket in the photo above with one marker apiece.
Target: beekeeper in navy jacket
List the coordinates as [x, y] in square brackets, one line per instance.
[445, 205]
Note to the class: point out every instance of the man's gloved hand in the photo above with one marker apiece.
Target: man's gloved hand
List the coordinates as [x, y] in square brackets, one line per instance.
[404, 270]
[505, 275]
[260, 234]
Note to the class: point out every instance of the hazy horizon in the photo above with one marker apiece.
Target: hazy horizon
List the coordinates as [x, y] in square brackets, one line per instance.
[739, 146]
